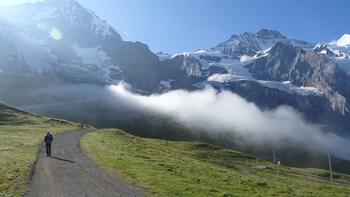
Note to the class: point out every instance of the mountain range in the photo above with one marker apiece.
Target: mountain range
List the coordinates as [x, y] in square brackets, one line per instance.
[62, 40]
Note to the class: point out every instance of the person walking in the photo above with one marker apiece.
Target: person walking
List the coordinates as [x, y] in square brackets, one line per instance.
[48, 141]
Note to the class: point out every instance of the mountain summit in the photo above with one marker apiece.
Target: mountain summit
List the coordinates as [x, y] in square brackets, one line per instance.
[250, 43]
[63, 14]
[344, 41]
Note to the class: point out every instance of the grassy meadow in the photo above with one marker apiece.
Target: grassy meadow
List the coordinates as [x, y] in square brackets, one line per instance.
[20, 136]
[200, 169]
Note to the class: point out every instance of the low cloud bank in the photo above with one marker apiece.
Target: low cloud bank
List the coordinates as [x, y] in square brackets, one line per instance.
[222, 111]
[209, 110]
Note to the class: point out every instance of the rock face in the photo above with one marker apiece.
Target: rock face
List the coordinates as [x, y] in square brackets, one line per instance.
[289, 63]
[323, 49]
[311, 105]
[185, 70]
[270, 66]
[63, 39]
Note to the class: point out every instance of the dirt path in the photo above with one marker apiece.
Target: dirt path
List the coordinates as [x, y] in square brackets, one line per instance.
[68, 172]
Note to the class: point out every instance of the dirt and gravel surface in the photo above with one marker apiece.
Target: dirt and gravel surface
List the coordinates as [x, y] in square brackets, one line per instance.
[69, 173]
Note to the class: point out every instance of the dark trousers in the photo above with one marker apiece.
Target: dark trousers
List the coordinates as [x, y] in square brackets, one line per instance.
[48, 149]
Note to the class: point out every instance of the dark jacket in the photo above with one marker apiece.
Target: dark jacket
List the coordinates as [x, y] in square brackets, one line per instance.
[48, 139]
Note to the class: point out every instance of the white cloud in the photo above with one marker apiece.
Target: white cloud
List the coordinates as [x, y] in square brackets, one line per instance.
[224, 111]
[207, 110]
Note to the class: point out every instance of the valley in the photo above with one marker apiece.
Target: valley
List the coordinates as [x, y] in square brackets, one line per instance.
[172, 123]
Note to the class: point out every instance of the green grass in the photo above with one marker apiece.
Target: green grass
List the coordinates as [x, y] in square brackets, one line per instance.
[20, 135]
[199, 169]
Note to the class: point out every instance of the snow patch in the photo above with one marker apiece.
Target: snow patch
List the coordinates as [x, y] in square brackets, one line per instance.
[233, 66]
[163, 56]
[323, 52]
[95, 55]
[285, 86]
[341, 50]
[166, 84]
[245, 58]
[100, 27]
[226, 78]
[344, 41]
[32, 51]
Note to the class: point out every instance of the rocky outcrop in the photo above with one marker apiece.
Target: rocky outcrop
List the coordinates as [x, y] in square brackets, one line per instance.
[289, 63]
[186, 70]
[323, 49]
[313, 106]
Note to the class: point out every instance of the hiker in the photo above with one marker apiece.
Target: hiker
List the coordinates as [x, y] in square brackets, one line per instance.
[48, 141]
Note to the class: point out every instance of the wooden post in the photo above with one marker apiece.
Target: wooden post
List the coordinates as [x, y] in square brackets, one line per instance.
[274, 160]
[330, 168]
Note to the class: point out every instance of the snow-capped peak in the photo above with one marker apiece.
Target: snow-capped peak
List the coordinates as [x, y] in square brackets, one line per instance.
[250, 43]
[320, 46]
[344, 41]
[323, 49]
[48, 13]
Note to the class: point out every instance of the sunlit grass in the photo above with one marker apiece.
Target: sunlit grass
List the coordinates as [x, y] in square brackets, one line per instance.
[199, 169]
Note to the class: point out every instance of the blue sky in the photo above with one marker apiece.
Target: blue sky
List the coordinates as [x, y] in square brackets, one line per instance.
[187, 25]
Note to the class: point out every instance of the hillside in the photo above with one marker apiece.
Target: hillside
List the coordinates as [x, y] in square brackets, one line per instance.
[20, 136]
[199, 169]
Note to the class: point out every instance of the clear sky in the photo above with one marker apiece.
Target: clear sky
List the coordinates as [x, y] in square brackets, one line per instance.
[187, 25]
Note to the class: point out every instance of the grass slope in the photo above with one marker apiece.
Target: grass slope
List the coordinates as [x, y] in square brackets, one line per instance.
[199, 169]
[20, 135]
